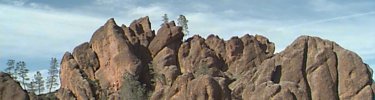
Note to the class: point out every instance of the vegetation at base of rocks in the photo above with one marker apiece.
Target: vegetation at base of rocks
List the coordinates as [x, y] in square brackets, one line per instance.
[152, 73]
[47, 96]
[95, 86]
[202, 70]
[53, 74]
[161, 79]
[132, 89]
[156, 77]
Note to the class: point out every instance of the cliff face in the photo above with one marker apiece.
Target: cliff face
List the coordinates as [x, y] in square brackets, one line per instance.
[240, 68]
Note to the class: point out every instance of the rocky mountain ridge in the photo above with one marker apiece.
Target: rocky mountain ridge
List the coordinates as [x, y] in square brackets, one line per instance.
[119, 58]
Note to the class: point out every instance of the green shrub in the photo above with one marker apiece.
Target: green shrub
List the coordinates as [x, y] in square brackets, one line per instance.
[202, 70]
[132, 89]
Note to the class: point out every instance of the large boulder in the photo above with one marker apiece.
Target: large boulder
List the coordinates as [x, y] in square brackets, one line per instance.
[167, 34]
[245, 53]
[142, 30]
[165, 69]
[311, 68]
[86, 59]
[196, 57]
[187, 87]
[11, 89]
[71, 75]
[115, 55]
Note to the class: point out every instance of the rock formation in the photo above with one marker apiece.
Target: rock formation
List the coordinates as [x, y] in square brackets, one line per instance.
[11, 89]
[246, 67]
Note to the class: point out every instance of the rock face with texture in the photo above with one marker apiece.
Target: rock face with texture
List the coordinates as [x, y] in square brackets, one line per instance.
[11, 89]
[241, 68]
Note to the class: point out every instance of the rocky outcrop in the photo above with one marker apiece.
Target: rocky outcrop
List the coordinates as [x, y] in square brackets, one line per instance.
[169, 33]
[311, 68]
[75, 80]
[194, 54]
[11, 89]
[163, 66]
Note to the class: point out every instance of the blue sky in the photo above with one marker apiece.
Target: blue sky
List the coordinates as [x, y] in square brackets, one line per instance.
[36, 30]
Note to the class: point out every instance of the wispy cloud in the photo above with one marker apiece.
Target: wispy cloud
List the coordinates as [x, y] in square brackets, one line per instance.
[31, 33]
[326, 20]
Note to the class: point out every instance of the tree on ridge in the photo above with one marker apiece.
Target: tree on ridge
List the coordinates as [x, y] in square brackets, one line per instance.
[53, 72]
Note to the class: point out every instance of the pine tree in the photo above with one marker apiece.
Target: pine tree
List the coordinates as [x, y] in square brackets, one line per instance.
[52, 75]
[32, 86]
[39, 82]
[10, 67]
[22, 73]
[165, 18]
[15, 72]
[182, 21]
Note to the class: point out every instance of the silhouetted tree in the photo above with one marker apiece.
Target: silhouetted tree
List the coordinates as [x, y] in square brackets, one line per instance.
[22, 73]
[165, 18]
[15, 72]
[39, 82]
[10, 67]
[32, 86]
[182, 21]
[52, 75]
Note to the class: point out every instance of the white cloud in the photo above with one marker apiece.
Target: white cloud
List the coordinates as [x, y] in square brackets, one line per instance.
[34, 33]
[147, 11]
[327, 20]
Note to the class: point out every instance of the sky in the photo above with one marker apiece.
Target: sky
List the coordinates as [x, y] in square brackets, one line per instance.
[36, 30]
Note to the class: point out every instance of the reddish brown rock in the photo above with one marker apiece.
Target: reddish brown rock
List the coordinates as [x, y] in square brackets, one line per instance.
[142, 30]
[244, 68]
[216, 44]
[201, 88]
[140, 34]
[194, 56]
[64, 94]
[73, 81]
[86, 59]
[167, 34]
[11, 89]
[353, 75]
[166, 70]
[130, 35]
[311, 68]
[115, 55]
[245, 53]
